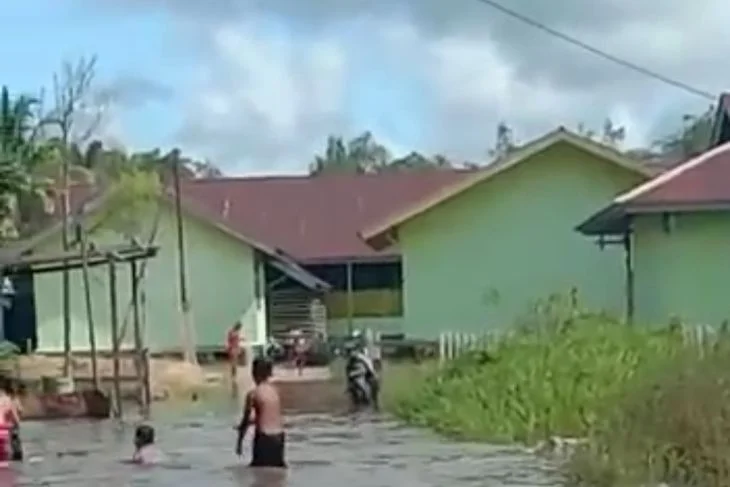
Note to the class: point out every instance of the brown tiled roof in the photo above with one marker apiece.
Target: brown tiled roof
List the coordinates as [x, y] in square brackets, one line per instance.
[701, 183]
[702, 180]
[314, 218]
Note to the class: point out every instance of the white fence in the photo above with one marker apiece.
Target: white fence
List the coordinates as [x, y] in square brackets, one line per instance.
[453, 344]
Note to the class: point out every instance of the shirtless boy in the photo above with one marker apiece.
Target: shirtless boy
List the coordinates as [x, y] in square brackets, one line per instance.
[264, 404]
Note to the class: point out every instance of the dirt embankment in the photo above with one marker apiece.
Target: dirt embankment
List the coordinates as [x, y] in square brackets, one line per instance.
[168, 377]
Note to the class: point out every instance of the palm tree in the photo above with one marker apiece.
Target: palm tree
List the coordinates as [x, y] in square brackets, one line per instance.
[20, 157]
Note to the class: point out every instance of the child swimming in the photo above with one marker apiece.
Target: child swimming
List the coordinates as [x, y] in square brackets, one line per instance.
[145, 450]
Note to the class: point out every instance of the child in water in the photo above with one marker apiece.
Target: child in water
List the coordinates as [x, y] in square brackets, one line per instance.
[263, 402]
[145, 451]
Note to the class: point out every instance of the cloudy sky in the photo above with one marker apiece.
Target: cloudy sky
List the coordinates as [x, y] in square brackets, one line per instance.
[257, 85]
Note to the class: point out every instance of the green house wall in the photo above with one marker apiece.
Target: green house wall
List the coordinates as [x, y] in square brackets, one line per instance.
[681, 269]
[476, 262]
[222, 283]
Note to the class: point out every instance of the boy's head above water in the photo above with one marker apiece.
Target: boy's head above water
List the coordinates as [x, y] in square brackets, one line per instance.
[144, 435]
[261, 369]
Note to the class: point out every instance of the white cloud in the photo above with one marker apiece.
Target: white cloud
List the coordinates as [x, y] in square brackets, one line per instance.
[269, 96]
[262, 99]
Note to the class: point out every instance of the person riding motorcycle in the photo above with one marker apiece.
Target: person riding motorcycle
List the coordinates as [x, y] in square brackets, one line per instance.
[362, 379]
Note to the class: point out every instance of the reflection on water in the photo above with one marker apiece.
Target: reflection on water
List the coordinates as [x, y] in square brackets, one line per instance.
[322, 451]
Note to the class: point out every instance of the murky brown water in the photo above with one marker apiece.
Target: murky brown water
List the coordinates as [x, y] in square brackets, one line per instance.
[323, 451]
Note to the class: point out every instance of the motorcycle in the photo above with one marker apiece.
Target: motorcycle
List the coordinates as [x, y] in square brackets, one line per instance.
[362, 381]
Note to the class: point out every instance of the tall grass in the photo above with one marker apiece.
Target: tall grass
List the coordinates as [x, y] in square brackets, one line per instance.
[671, 425]
[559, 373]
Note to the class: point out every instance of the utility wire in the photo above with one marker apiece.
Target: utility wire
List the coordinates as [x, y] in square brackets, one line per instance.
[596, 51]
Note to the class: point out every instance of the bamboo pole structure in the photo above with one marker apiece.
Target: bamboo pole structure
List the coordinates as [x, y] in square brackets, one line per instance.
[115, 337]
[139, 355]
[187, 316]
[89, 309]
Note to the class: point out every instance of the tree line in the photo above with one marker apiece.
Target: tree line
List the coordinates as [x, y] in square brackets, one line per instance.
[44, 149]
[363, 154]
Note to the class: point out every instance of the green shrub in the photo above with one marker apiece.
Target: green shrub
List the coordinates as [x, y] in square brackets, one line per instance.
[557, 374]
[672, 425]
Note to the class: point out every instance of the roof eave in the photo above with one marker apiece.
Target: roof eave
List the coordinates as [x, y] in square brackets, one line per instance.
[614, 219]
[646, 207]
[380, 238]
[611, 220]
[561, 134]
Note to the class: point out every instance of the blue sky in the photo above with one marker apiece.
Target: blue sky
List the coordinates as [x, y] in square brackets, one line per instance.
[125, 45]
[148, 44]
[417, 82]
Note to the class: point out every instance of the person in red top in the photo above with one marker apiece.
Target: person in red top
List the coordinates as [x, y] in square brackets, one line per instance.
[9, 419]
[233, 348]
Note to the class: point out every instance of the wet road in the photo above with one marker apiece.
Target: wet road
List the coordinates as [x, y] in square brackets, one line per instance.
[322, 451]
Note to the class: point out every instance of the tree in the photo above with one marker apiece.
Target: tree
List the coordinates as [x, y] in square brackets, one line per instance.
[692, 138]
[70, 88]
[21, 156]
[339, 158]
[504, 143]
[417, 161]
[611, 134]
[363, 154]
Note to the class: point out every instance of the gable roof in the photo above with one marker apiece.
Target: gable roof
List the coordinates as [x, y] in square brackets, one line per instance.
[699, 184]
[86, 199]
[377, 234]
[721, 123]
[280, 259]
[315, 218]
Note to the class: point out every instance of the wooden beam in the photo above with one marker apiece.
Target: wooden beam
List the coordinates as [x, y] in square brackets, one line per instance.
[74, 260]
[139, 360]
[115, 338]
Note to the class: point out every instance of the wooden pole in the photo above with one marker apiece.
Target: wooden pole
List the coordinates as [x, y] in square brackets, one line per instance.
[629, 263]
[65, 272]
[91, 330]
[188, 347]
[139, 359]
[115, 337]
[350, 298]
[146, 381]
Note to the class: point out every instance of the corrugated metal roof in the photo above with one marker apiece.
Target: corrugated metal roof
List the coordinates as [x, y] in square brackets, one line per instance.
[315, 218]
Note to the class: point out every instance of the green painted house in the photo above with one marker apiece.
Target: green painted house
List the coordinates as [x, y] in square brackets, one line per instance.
[225, 280]
[675, 232]
[478, 253]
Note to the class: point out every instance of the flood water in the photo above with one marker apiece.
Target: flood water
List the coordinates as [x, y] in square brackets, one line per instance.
[322, 451]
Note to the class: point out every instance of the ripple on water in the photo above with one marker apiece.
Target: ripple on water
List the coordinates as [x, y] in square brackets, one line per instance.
[323, 451]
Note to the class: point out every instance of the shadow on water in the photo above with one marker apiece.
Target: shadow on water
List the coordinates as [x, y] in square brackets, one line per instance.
[322, 450]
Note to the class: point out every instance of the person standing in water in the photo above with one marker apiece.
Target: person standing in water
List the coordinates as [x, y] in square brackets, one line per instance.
[16, 445]
[233, 348]
[9, 419]
[264, 404]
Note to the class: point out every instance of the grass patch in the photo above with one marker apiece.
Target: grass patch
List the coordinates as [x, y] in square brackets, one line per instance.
[672, 425]
[653, 406]
[558, 375]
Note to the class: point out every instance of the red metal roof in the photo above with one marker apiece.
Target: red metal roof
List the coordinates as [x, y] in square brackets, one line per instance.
[704, 179]
[314, 218]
